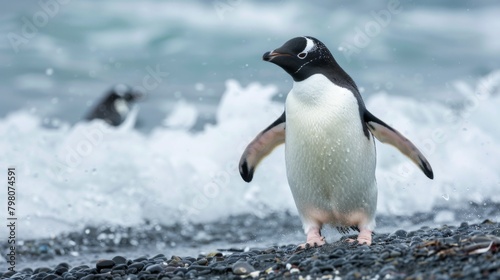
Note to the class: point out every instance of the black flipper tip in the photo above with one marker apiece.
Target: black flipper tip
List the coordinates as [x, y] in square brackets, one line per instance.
[426, 168]
[245, 172]
[429, 173]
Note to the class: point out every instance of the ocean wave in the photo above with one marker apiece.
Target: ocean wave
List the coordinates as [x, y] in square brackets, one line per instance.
[92, 174]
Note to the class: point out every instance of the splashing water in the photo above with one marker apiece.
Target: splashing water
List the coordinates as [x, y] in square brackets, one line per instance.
[70, 177]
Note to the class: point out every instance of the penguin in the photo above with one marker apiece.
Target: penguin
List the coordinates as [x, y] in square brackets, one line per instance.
[116, 105]
[329, 143]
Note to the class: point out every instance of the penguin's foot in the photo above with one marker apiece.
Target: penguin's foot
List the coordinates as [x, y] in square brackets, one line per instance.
[314, 239]
[364, 237]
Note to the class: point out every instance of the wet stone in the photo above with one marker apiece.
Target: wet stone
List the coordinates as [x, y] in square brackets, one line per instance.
[170, 269]
[103, 264]
[156, 268]
[60, 270]
[202, 261]
[265, 257]
[219, 268]
[118, 273]
[40, 275]
[240, 268]
[295, 259]
[198, 267]
[63, 264]
[39, 270]
[120, 267]
[78, 268]
[159, 257]
[119, 260]
[384, 255]
[400, 233]
[80, 274]
[214, 254]
[132, 270]
[136, 265]
[51, 277]
[180, 269]
[140, 259]
[27, 271]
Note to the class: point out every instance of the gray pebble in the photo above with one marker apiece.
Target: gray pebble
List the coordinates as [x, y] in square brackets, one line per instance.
[119, 260]
[198, 267]
[265, 257]
[102, 264]
[241, 268]
[202, 261]
[52, 277]
[155, 268]
[136, 265]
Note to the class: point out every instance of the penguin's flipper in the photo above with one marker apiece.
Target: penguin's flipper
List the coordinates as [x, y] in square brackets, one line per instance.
[386, 134]
[261, 146]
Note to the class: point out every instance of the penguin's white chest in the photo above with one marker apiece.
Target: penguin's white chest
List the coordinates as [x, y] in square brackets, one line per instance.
[330, 161]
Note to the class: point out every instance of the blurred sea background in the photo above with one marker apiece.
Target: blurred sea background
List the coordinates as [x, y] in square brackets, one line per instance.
[430, 69]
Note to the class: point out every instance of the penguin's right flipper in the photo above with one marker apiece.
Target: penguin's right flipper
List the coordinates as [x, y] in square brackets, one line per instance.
[261, 146]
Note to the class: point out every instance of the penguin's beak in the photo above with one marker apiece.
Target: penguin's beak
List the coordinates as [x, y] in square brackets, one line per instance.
[268, 56]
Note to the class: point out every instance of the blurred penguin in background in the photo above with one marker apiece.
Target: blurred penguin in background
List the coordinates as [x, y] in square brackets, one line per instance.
[117, 107]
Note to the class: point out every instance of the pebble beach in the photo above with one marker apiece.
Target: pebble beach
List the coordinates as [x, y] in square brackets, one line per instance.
[225, 250]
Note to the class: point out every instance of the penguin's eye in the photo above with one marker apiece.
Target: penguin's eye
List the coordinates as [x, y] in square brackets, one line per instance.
[302, 55]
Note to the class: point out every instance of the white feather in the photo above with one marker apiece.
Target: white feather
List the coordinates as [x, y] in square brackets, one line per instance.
[330, 162]
[309, 45]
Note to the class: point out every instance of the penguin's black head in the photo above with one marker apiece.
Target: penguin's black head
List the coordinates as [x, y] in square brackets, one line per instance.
[125, 92]
[302, 57]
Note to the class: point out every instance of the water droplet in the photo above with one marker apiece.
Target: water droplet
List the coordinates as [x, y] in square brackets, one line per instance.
[49, 71]
[199, 86]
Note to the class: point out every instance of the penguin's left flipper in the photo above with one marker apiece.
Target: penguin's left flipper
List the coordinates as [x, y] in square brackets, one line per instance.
[261, 146]
[386, 134]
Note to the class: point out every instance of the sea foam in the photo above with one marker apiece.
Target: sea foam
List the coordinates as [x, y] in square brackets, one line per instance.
[93, 174]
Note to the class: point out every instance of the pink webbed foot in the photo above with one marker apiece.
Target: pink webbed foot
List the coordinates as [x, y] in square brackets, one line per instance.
[314, 239]
[364, 237]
